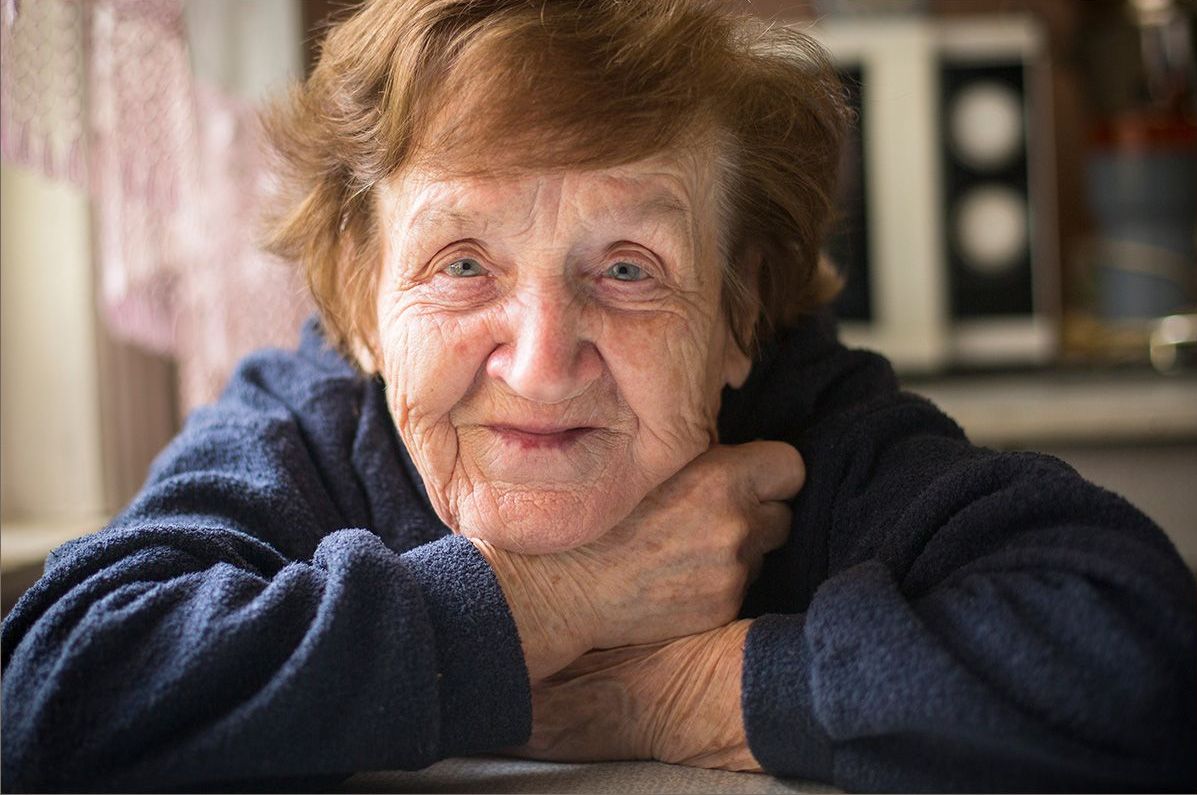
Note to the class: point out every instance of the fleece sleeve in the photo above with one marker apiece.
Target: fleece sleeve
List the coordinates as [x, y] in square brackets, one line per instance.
[229, 627]
[975, 620]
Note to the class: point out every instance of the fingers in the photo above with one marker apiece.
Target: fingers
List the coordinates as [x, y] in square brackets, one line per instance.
[773, 526]
[774, 470]
[681, 559]
[770, 529]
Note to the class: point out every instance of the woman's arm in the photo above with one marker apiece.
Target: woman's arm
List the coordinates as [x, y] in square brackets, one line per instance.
[946, 616]
[674, 701]
[233, 624]
[979, 620]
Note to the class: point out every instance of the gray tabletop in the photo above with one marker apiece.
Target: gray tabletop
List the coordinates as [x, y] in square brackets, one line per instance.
[499, 774]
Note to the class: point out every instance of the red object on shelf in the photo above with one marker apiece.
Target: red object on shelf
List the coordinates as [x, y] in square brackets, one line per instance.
[1146, 130]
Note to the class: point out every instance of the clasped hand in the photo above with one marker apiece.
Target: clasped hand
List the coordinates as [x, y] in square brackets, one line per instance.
[630, 641]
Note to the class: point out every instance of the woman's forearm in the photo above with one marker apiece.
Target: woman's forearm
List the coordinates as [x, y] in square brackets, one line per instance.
[706, 727]
[553, 625]
[702, 724]
[676, 701]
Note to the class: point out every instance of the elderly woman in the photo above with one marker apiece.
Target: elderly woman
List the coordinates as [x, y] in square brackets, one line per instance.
[517, 486]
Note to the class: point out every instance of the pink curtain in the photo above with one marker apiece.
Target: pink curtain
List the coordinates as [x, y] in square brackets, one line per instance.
[100, 93]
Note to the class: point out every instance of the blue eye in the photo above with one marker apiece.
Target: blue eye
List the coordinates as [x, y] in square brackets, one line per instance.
[626, 272]
[465, 268]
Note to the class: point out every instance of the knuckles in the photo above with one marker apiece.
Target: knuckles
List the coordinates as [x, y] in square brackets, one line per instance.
[691, 547]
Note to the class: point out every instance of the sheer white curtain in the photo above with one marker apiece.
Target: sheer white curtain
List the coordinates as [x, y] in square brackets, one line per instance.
[133, 176]
[151, 106]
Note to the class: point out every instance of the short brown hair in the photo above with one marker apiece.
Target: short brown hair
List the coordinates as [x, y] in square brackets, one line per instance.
[552, 84]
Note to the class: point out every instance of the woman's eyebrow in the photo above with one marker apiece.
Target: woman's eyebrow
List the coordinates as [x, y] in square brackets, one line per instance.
[664, 207]
[434, 217]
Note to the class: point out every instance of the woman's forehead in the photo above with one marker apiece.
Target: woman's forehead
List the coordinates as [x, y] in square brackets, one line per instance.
[674, 189]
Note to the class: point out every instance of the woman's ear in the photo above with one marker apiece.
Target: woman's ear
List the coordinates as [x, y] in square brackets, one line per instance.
[737, 363]
[364, 356]
[363, 345]
[363, 332]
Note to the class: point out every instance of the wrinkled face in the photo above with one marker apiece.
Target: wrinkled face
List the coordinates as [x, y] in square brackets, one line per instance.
[552, 345]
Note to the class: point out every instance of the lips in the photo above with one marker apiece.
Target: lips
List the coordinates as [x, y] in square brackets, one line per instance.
[529, 437]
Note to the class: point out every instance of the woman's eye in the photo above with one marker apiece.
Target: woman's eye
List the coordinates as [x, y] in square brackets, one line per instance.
[465, 267]
[626, 272]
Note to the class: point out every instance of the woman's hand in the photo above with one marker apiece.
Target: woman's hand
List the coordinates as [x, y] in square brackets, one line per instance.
[679, 564]
[676, 701]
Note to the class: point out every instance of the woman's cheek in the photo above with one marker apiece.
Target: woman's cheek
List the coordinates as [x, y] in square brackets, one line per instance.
[660, 369]
[432, 362]
[439, 360]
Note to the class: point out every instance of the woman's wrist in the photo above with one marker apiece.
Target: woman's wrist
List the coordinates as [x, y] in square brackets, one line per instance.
[553, 631]
[711, 714]
[729, 671]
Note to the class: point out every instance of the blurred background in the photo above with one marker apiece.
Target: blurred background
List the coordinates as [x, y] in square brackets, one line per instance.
[1017, 220]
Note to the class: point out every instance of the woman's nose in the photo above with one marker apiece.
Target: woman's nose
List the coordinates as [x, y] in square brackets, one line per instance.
[548, 359]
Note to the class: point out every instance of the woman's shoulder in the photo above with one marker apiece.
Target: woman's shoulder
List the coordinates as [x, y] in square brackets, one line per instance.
[803, 376]
[311, 394]
[276, 381]
[304, 422]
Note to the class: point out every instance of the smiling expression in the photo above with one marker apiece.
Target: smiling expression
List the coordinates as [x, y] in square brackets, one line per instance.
[553, 345]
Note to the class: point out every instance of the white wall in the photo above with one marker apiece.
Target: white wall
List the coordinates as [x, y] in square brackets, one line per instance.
[50, 455]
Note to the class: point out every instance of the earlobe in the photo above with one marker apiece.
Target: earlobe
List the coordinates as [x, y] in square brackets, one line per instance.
[364, 357]
[736, 364]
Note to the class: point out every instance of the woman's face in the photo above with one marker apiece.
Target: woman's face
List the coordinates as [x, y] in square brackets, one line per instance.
[553, 345]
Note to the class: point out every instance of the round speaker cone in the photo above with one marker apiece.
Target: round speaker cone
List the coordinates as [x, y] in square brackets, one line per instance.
[986, 125]
[991, 229]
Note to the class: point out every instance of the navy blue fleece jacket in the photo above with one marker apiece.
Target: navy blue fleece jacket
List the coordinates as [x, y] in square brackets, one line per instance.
[281, 603]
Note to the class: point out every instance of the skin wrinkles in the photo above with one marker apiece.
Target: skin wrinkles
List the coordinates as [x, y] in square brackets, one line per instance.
[542, 399]
[661, 218]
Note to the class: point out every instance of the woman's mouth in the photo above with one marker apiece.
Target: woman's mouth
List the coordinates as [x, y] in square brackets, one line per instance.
[541, 438]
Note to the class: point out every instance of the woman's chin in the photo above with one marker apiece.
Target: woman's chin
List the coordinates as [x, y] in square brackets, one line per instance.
[539, 522]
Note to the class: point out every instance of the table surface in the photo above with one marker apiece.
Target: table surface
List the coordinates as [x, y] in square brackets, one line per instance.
[500, 774]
